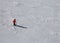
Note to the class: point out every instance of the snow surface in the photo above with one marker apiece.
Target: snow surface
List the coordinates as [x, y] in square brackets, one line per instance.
[41, 17]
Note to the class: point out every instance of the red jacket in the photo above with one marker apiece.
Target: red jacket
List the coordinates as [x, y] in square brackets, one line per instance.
[14, 21]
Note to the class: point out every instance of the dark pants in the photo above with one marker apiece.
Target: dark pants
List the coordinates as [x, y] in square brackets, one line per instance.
[14, 24]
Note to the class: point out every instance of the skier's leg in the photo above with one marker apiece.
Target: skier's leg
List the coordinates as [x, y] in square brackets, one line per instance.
[14, 24]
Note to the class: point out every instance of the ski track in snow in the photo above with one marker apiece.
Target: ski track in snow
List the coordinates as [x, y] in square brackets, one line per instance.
[41, 17]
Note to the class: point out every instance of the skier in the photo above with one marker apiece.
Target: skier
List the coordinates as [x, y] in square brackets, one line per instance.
[14, 22]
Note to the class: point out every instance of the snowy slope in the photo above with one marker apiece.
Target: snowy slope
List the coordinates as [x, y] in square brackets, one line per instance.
[41, 17]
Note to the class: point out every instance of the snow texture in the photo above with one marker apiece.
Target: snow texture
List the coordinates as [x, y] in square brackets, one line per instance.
[41, 17]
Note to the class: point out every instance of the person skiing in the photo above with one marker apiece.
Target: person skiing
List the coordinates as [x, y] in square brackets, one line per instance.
[14, 22]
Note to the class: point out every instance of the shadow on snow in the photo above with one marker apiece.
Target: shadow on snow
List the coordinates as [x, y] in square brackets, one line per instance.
[20, 26]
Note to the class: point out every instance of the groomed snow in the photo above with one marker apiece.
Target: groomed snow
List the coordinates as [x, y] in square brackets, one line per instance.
[41, 17]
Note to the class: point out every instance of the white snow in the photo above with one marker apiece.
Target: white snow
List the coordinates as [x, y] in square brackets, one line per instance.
[41, 17]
